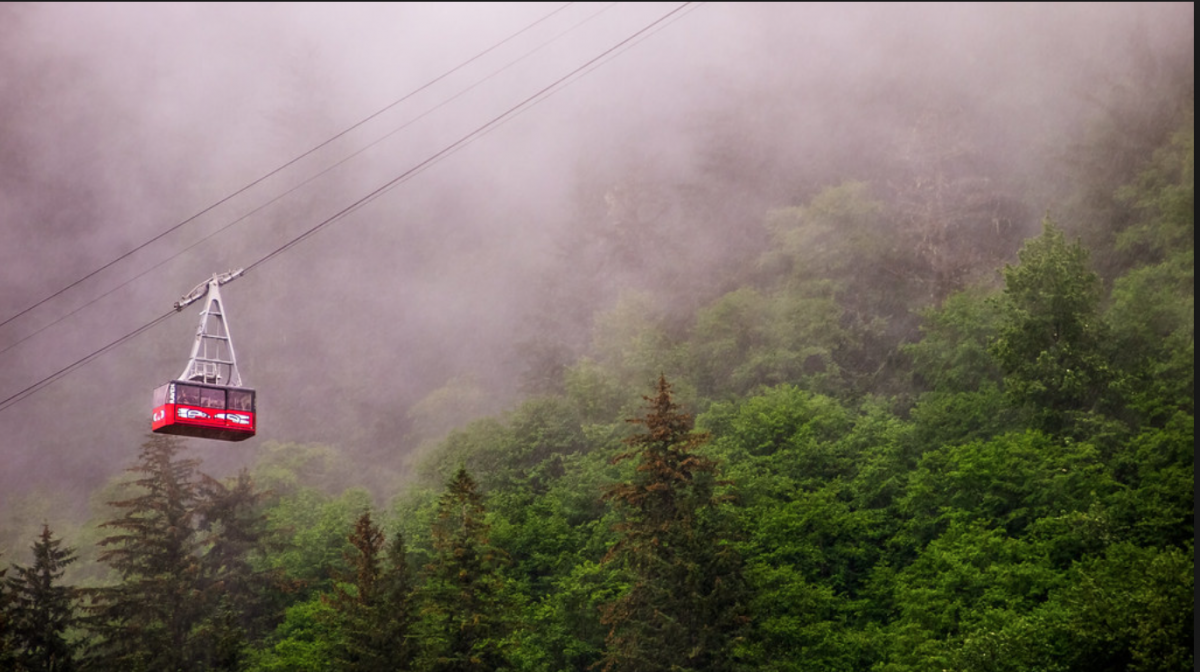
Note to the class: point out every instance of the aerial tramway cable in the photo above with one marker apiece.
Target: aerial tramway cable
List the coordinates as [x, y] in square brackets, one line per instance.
[299, 186]
[495, 122]
[276, 171]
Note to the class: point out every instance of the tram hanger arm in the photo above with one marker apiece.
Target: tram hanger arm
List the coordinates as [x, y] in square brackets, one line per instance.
[201, 289]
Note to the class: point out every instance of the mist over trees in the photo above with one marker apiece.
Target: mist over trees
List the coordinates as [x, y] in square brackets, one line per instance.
[793, 337]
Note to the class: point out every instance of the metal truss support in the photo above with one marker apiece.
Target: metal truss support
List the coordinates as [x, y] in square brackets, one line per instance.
[213, 360]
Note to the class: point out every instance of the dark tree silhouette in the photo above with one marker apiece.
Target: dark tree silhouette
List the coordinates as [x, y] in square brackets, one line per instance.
[41, 610]
[146, 622]
[237, 594]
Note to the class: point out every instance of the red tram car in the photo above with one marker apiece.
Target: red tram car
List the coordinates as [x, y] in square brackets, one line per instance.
[187, 408]
[207, 400]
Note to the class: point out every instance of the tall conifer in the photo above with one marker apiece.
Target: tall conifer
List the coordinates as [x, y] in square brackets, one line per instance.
[464, 603]
[374, 603]
[397, 615]
[146, 621]
[235, 592]
[685, 605]
[41, 609]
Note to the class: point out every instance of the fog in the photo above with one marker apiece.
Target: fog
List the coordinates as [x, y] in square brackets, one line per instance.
[508, 169]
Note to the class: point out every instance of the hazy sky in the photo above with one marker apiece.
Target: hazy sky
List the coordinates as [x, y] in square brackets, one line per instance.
[120, 121]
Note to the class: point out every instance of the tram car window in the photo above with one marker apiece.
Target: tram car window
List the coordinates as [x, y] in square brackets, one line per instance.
[241, 400]
[187, 395]
[210, 398]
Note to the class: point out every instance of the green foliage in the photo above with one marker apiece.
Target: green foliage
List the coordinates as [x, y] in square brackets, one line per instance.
[1005, 641]
[747, 340]
[374, 604]
[958, 417]
[189, 596]
[828, 237]
[1153, 326]
[1164, 195]
[796, 624]
[285, 468]
[958, 590]
[146, 621]
[595, 391]
[465, 614]
[633, 341]
[807, 560]
[952, 355]
[1009, 482]
[928, 476]
[307, 531]
[306, 641]
[1132, 609]
[479, 445]
[539, 534]
[396, 615]
[565, 632]
[781, 441]
[1050, 344]
[234, 524]
[726, 336]
[817, 487]
[843, 281]
[459, 401]
[1158, 469]
[1152, 316]
[39, 611]
[522, 448]
[965, 572]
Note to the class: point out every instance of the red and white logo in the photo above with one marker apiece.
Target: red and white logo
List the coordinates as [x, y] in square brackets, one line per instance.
[235, 418]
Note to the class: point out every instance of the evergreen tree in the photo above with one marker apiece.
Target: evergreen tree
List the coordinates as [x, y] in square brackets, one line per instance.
[684, 608]
[374, 603]
[464, 607]
[397, 614]
[146, 621]
[233, 523]
[41, 609]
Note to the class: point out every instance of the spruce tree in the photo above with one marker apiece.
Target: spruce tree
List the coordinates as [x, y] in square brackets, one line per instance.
[464, 606]
[235, 592]
[398, 613]
[685, 604]
[41, 609]
[146, 622]
[374, 604]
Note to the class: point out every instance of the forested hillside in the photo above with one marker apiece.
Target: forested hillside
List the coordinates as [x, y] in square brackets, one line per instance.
[927, 416]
